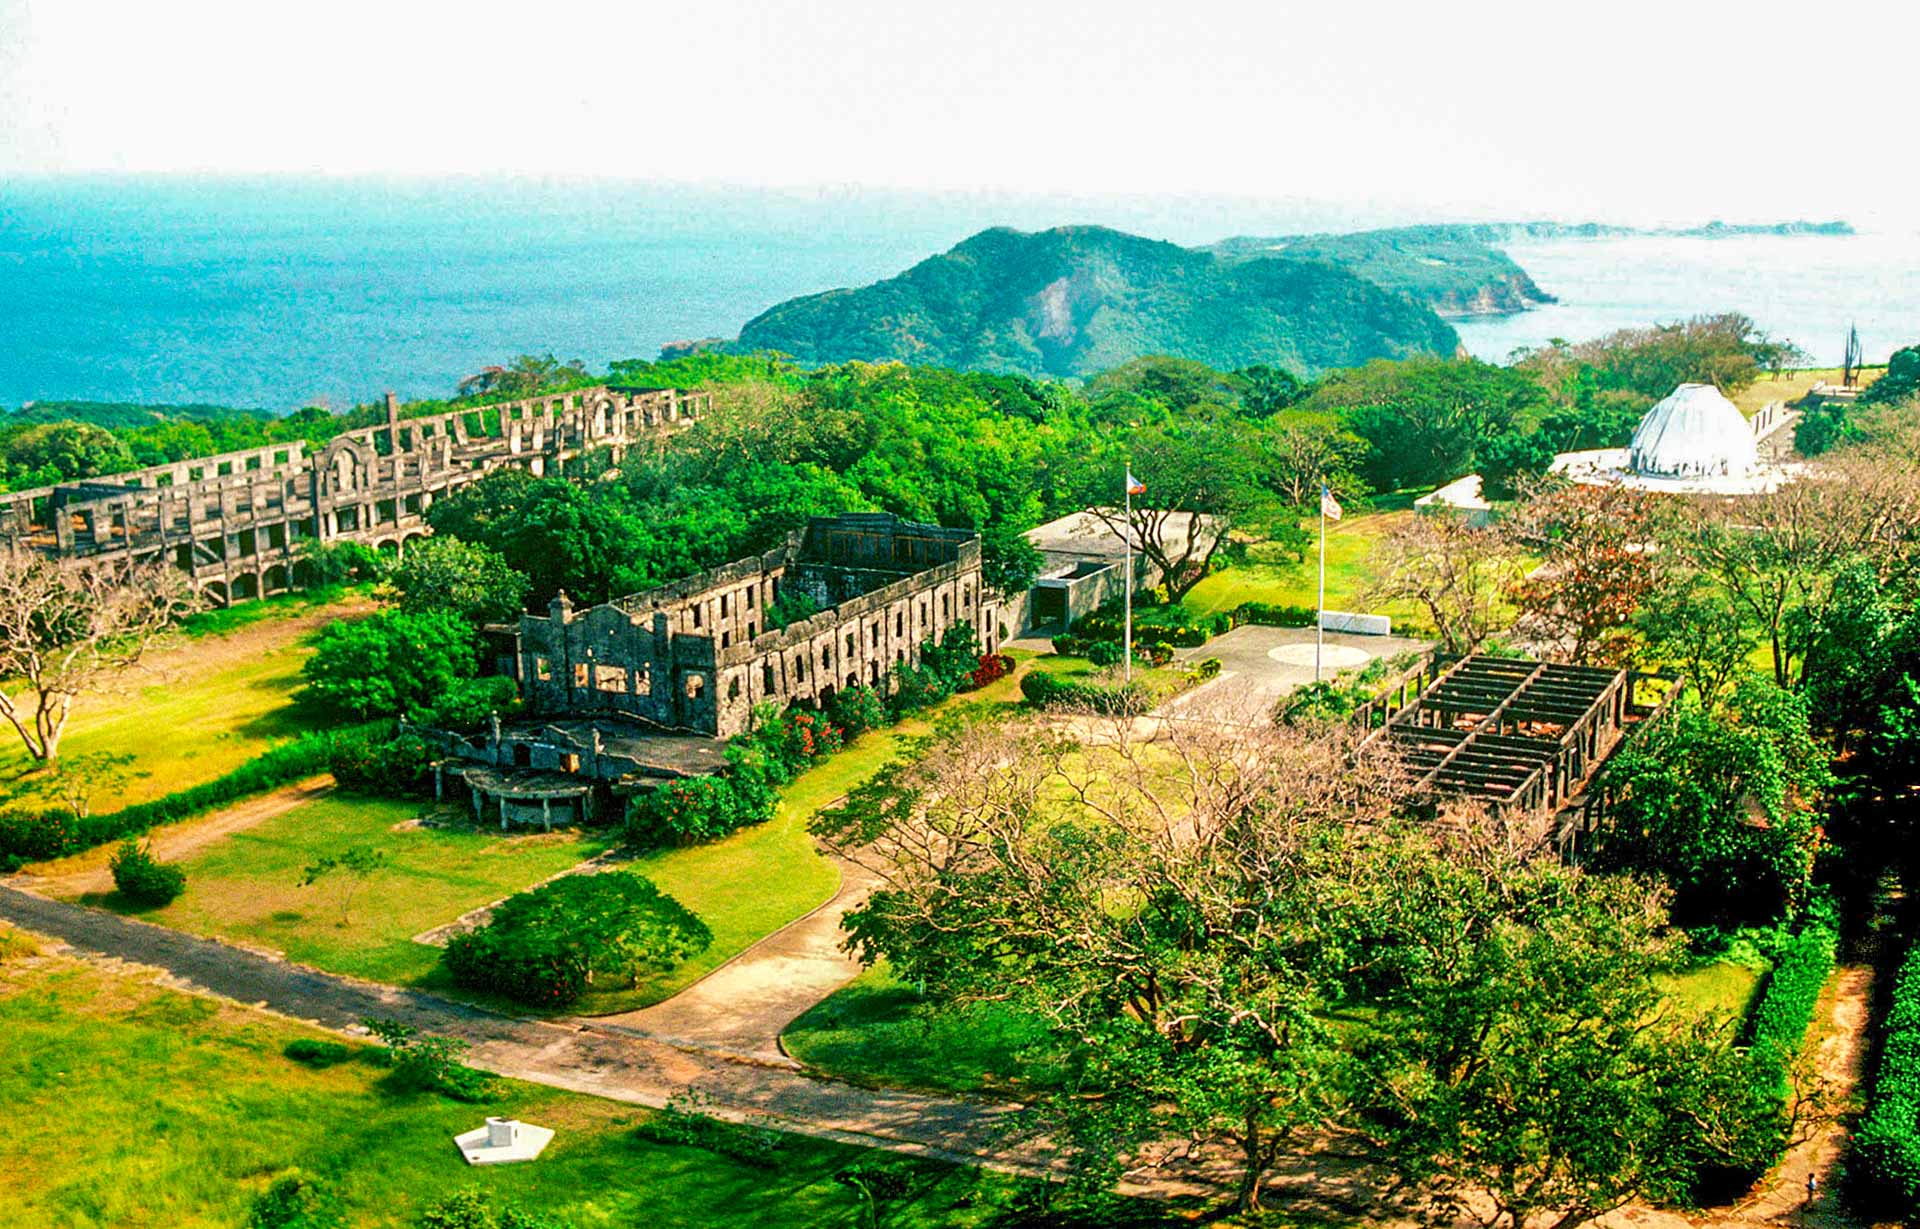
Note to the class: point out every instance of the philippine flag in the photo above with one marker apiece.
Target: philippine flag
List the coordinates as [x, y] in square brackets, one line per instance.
[1329, 507]
[1134, 485]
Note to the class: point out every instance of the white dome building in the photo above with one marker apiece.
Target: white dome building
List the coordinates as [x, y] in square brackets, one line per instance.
[1695, 433]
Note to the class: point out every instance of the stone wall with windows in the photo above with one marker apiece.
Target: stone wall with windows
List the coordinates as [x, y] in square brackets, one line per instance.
[699, 654]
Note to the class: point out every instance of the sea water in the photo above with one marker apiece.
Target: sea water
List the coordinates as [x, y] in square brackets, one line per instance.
[279, 293]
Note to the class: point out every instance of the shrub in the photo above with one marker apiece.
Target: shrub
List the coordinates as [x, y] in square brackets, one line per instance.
[26, 837]
[1887, 1146]
[139, 877]
[857, 710]
[429, 1064]
[684, 1123]
[1044, 690]
[317, 1054]
[295, 1201]
[1267, 615]
[1104, 652]
[1207, 668]
[474, 1209]
[992, 668]
[696, 809]
[397, 767]
[544, 946]
[1070, 645]
[1780, 1019]
[468, 703]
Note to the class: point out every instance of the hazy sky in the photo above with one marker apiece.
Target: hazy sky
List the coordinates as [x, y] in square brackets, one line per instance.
[1679, 110]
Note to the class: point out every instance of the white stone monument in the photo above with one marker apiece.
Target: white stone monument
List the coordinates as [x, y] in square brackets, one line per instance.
[502, 1141]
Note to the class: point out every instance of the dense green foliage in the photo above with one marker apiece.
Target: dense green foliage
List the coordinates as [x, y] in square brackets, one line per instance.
[141, 878]
[384, 764]
[466, 578]
[544, 946]
[296, 1201]
[1076, 300]
[1425, 420]
[1685, 793]
[1780, 1020]
[476, 1209]
[403, 663]
[1043, 689]
[1887, 1145]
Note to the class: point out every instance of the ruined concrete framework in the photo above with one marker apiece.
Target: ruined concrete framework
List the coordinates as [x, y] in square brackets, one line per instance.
[237, 523]
[699, 654]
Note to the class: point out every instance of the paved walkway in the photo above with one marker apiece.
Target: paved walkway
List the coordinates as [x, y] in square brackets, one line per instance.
[1259, 665]
[578, 1055]
[742, 1007]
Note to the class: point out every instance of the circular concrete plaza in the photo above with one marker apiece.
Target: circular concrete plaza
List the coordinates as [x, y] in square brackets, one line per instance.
[1332, 656]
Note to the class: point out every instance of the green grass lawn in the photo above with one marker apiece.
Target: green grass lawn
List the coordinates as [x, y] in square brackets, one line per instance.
[1287, 582]
[148, 1107]
[1722, 987]
[878, 1031]
[196, 708]
[246, 887]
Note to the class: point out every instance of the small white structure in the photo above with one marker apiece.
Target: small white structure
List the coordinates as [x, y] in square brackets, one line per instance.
[502, 1141]
[1695, 433]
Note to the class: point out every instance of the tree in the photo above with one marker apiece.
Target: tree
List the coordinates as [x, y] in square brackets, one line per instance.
[1524, 1064]
[470, 580]
[1776, 555]
[1514, 462]
[66, 451]
[546, 945]
[1453, 570]
[1598, 552]
[1300, 459]
[395, 663]
[1694, 627]
[1200, 484]
[66, 630]
[1424, 419]
[1265, 391]
[1723, 804]
[1154, 924]
[356, 864]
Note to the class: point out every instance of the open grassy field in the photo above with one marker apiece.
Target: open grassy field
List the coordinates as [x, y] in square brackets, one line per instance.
[246, 888]
[197, 707]
[1791, 386]
[1286, 582]
[149, 1107]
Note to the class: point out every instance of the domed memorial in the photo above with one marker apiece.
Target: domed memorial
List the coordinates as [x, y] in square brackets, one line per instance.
[1695, 433]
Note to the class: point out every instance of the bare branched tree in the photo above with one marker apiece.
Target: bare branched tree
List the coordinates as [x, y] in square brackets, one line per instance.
[65, 629]
[1453, 570]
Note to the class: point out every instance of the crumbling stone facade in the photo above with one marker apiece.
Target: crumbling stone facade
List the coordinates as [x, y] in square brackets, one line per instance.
[237, 523]
[698, 655]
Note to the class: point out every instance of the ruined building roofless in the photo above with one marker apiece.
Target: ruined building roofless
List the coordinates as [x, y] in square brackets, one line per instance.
[238, 524]
[698, 655]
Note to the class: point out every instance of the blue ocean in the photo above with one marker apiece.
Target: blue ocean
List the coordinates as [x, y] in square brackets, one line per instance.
[280, 293]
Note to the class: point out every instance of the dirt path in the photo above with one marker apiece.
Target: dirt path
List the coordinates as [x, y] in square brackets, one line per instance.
[1781, 1199]
[741, 1008]
[88, 872]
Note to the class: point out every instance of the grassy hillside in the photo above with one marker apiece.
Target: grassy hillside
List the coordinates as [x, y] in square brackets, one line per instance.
[1076, 300]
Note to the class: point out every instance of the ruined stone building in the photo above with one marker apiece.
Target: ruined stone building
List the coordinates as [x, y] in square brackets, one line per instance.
[696, 656]
[238, 524]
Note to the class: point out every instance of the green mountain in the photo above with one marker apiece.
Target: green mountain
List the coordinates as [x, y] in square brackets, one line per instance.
[1080, 299]
[116, 415]
[1454, 270]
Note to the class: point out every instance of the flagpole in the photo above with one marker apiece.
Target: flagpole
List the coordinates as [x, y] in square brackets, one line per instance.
[1320, 615]
[1126, 646]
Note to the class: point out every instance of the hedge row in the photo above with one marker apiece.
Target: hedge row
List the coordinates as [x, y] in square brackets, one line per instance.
[1269, 615]
[1887, 1146]
[1044, 690]
[1780, 1020]
[32, 837]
